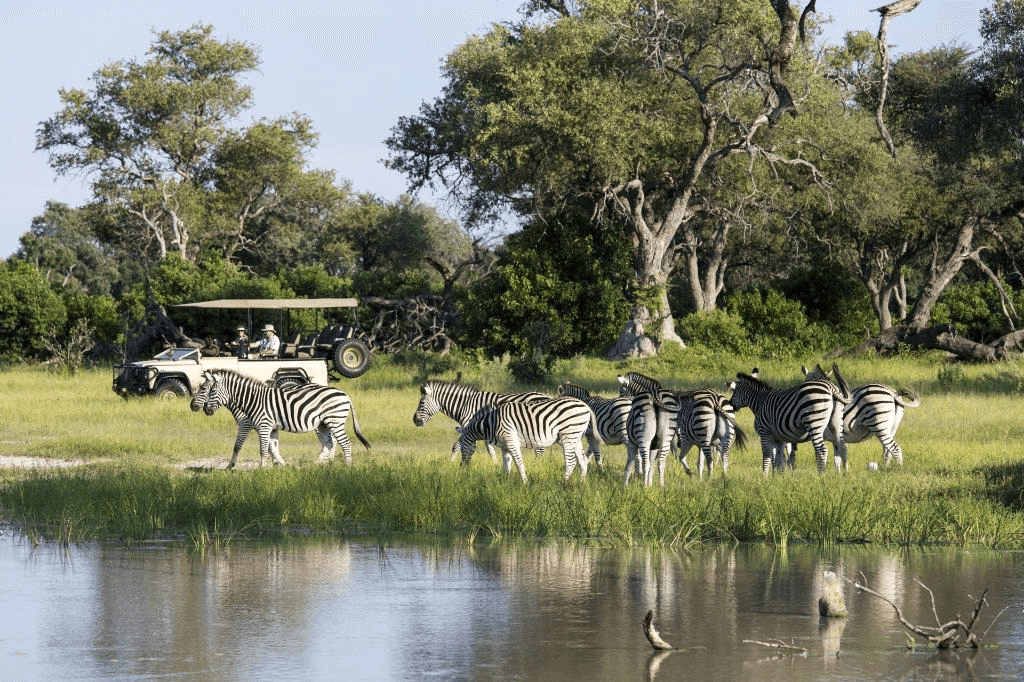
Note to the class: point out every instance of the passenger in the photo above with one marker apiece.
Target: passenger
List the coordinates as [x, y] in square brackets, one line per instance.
[269, 346]
[241, 344]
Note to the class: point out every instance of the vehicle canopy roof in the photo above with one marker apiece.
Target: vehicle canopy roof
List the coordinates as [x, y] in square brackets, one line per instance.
[272, 303]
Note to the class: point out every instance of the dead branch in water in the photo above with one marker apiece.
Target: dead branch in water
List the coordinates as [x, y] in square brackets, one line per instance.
[778, 644]
[942, 635]
[652, 634]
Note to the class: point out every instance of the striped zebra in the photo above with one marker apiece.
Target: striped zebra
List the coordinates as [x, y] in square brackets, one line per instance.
[651, 427]
[612, 415]
[807, 411]
[705, 420]
[874, 410]
[266, 409]
[539, 423]
[460, 402]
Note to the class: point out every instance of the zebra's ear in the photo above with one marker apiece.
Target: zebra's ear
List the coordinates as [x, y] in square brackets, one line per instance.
[622, 379]
[804, 370]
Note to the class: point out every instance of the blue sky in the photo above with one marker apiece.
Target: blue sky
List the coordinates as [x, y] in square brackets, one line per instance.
[352, 67]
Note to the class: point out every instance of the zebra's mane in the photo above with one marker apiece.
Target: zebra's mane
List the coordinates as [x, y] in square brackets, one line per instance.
[569, 383]
[236, 375]
[754, 380]
[442, 382]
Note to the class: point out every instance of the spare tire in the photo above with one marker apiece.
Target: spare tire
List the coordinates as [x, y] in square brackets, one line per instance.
[351, 358]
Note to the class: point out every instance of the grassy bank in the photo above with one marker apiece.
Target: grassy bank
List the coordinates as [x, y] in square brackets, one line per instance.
[145, 474]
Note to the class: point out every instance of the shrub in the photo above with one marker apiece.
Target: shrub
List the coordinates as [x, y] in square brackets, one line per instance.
[718, 330]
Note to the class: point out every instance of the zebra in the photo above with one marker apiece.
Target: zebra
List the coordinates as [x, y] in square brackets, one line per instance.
[705, 418]
[266, 409]
[874, 409]
[460, 402]
[612, 416]
[539, 423]
[808, 411]
[651, 427]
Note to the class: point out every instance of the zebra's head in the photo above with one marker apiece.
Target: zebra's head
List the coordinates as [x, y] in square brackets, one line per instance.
[202, 393]
[210, 395]
[428, 406]
[816, 374]
[744, 388]
[567, 388]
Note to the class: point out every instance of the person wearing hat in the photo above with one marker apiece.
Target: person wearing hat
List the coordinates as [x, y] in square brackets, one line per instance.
[269, 345]
[241, 344]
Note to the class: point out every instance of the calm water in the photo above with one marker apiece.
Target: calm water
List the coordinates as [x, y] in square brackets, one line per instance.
[340, 610]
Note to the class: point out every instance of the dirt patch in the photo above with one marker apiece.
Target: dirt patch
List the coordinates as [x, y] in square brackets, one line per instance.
[38, 462]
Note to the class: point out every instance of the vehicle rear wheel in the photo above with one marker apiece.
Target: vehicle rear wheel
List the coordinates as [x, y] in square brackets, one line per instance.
[352, 358]
[171, 389]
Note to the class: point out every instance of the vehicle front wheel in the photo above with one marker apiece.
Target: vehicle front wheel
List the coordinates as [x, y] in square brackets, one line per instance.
[352, 358]
[171, 389]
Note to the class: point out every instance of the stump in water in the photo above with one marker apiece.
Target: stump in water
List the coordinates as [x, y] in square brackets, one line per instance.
[832, 603]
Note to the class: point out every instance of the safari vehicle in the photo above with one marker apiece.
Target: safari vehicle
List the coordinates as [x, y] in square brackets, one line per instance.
[304, 357]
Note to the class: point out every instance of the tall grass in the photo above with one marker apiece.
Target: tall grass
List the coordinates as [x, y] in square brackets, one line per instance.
[961, 483]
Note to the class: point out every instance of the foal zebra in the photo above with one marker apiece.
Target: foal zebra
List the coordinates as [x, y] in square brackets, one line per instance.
[255, 405]
[460, 402]
[539, 423]
[874, 409]
[612, 415]
[811, 411]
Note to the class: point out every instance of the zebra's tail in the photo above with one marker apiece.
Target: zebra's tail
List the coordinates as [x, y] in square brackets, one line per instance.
[740, 436]
[844, 388]
[907, 398]
[357, 431]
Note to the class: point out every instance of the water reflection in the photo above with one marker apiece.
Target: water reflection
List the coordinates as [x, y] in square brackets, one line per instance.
[334, 609]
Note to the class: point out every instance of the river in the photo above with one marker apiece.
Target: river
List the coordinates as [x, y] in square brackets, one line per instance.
[357, 609]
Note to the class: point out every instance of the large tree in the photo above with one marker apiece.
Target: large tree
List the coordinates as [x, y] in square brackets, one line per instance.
[169, 163]
[628, 110]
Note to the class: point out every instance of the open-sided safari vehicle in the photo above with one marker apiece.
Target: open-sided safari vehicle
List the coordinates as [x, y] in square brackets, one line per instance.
[304, 357]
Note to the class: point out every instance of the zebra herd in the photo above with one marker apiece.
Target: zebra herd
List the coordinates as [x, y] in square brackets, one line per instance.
[648, 419]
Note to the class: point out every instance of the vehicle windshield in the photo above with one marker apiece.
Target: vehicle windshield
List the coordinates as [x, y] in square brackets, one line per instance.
[177, 354]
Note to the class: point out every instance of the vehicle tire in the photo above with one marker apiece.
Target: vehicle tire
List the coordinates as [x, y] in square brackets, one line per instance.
[171, 389]
[351, 358]
[289, 381]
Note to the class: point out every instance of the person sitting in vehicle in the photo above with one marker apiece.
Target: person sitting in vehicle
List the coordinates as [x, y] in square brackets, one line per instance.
[240, 345]
[269, 346]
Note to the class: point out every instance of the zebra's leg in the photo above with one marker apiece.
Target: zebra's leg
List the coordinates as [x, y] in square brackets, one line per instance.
[662, 457]
[274, 449]
[767, 456]
[327, 443]
[457, 450]
[511, 452]
[571, 459]
[631, 462]
[820, 452]
[244, 427]
[594, 446]
[708, 456]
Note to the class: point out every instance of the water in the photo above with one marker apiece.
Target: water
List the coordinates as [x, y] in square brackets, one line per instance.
[352, 610]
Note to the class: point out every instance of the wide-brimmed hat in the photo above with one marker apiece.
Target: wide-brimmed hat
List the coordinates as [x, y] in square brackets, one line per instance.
[268, 328]
[240, 328]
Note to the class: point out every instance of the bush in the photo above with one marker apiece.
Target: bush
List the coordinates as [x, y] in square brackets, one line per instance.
[718, 330]
[29, 310]
[778, 327]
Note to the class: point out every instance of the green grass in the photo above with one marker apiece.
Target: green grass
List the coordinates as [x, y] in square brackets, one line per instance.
[961, 484]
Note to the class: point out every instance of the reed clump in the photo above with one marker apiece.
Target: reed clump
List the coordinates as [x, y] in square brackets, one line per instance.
[153, 470]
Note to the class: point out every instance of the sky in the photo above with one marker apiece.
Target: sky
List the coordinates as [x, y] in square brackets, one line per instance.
[353, 68]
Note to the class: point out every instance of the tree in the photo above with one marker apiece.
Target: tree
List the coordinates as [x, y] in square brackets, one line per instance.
[960, 131]
[63, 246]
[621, 109]
[172, 170]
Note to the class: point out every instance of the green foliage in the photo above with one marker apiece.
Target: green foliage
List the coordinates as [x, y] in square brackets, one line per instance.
[833, 298]
[29, 310]
[778, 327]
[975, 309]
[718, 330]
[555, 291]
